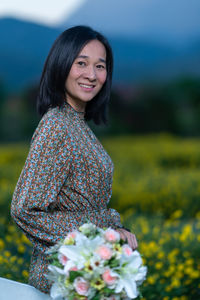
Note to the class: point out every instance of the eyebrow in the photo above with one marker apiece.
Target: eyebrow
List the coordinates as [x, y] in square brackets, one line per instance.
[85, 56]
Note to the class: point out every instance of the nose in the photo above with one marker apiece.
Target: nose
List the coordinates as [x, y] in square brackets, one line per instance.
[90, 73]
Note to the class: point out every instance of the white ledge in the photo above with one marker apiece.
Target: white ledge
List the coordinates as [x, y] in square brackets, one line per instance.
[10, 290]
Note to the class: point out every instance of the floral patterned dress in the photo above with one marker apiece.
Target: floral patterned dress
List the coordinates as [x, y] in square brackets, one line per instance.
[66, 180]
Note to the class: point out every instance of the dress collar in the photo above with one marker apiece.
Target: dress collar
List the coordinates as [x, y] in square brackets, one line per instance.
[72, 112]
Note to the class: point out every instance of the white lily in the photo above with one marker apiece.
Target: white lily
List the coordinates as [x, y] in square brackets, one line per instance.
[129, 285]
[133, 274]
[69, 265]
[89, 245]
[134, 262]
[80, 252]
[57, 292]
[141, 275]
[73, 253]
[55, 270]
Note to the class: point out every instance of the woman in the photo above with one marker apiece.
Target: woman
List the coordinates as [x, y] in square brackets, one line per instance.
[67, 177]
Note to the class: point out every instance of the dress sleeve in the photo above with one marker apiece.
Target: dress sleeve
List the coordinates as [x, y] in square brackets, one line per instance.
[35, 204]
[115, 218]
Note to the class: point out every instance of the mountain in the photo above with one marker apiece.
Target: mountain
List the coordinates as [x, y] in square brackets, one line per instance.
[25, 45]
[23, 49]
[175, 21]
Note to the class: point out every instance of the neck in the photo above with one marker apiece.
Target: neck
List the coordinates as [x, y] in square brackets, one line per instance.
[77, 107]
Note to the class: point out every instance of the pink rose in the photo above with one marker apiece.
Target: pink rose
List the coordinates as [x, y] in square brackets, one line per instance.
[112, 236]
[62, 259]
[127, 250]
[104, 252]
[73, 269]
[81, 286]
[108, 278]
[71, 235]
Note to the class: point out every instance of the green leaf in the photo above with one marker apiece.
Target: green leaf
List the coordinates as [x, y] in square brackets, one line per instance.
[107, 291]
[114, 263]
[97, 297]
[74, 274]
[71, 297]
[57, 264]
[54, 256]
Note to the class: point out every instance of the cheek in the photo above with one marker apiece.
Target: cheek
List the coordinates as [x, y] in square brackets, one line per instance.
[102, 77]
[74, 74]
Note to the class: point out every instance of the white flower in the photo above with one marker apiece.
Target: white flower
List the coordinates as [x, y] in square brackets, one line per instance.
[74, 256]
[59, 292]
[56, 291]
[129, 285]
[78, 254]
[62, 259]
[97, 263]
[88, 228]
[134, 263]
[55, 270]
[132, 275]
[88, 245]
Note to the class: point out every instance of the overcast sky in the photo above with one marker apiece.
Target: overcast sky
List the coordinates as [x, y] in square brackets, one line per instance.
[42, 11]
[178, 20]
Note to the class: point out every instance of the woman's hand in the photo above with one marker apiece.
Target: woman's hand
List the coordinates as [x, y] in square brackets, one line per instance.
[128, 236]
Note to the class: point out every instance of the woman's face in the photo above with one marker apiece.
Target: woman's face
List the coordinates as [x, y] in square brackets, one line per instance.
[87, 75]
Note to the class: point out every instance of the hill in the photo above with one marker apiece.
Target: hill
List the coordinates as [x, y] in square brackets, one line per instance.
[25, 45]
[23, 49]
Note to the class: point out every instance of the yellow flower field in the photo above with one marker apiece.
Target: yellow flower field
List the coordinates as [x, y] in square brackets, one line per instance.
[170, 249]
[155, 174]
[156, 188]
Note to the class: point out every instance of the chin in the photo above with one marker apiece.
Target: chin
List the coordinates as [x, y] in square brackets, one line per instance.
[87, 99]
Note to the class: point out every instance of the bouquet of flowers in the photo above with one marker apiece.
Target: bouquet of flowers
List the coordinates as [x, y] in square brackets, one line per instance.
[94, 263]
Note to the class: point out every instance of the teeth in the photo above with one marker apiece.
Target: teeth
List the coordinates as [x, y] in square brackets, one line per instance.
[86, 86]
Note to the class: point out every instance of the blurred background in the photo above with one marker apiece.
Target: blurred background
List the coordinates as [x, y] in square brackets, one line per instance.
[153, 132]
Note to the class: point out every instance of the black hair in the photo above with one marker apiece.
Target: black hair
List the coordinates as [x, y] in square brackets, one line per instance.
[57, 67]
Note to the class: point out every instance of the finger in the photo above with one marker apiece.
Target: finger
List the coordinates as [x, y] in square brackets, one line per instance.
[122, 234]
[132, 241]
[135, 243]
[127, 235]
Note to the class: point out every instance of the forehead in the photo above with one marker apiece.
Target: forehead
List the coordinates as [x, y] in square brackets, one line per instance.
[94, 49]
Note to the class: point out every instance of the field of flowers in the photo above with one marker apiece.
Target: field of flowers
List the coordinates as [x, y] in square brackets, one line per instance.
[156, 174]
[156, 187]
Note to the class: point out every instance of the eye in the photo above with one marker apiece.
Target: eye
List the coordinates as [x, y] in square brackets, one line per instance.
[100, 66]
[81, 63]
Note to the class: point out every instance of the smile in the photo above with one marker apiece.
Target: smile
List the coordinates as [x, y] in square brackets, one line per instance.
[86, 86]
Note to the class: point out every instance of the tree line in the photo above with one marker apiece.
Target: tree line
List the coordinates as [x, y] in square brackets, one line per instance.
[172, 107]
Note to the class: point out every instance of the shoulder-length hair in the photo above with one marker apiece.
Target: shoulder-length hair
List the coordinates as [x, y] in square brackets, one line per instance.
[67, 46]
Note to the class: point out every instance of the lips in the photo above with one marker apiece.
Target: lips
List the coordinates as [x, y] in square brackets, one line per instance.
[87, 87]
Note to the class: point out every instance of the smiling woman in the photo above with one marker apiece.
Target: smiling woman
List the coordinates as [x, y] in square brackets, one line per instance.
[67, 177]
[87, 75]
[83, 56]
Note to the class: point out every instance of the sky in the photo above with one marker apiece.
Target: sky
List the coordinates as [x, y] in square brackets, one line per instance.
[41, 11]
[176, 20]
